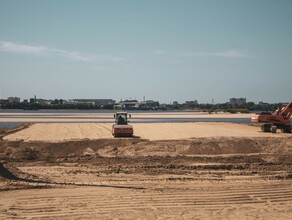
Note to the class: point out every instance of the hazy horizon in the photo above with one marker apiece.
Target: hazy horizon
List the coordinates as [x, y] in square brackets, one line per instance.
[166, 50]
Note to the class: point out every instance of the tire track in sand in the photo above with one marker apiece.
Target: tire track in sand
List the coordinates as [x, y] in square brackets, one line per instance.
[88, 202]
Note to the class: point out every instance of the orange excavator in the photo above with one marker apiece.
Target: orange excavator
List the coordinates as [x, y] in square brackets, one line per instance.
[279, 119]
[121, 128]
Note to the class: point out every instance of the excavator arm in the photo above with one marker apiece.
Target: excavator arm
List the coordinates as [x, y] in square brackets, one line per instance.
[286, 111]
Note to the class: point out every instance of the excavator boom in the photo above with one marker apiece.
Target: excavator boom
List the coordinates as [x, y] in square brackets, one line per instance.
[285, 111]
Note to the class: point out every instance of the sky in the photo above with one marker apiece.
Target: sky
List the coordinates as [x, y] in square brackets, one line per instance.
[165, 50]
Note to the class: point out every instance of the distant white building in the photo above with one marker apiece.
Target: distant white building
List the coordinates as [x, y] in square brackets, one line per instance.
[94, 102]
[13, 99]
[237, 101]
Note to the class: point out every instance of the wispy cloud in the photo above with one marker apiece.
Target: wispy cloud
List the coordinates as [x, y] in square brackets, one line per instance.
[227, 54]
[232, 54]
[21, 48]
[46, 51]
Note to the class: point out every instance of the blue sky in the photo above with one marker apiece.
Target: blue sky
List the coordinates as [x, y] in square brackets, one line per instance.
[165, 50]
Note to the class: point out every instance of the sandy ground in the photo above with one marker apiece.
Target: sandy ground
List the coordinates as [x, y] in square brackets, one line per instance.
[205, 178]
[173, 171]
[54, 132]
[169, 201]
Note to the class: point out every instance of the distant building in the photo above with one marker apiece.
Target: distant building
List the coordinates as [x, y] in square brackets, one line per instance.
[148, 105]
[175, 103]
[191, 103]
[42, 101]
[237, 101]
[263, 103]
[13, 99]
[32, 100]
[94, 102]
[136, 105]
[129, 104]
[3, 102]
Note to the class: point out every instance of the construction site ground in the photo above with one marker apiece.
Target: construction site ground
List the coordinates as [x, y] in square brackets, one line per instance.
[220, 171]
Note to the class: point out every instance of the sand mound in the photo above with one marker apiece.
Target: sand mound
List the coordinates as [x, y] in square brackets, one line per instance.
[10, 172]
[202, 146]
[88, 152]
[138, 147]
[23, 153]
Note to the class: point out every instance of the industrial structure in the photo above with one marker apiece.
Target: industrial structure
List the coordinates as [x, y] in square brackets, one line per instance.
[237, 101]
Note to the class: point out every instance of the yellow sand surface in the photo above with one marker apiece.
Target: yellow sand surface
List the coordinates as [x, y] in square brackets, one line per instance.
[55, 132]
